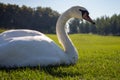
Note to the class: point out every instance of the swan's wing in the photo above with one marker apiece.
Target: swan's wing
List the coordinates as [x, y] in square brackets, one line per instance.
[8, 35]
[31, 50]
[19, 33]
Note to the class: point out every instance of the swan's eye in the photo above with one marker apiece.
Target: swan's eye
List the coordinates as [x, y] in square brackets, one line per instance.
[84, 11]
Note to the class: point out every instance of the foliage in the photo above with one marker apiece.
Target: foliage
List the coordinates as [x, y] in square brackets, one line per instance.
[44, 20]
[99, 59]
[104, 26]
[41, 19]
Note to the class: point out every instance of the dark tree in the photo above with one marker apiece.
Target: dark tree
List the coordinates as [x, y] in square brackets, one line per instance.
[15, 17]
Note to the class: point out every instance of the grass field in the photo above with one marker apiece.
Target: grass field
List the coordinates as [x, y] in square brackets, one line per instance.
[99, 59]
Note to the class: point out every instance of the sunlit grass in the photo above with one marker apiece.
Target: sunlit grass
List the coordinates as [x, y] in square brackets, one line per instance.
[2, 30]
[99, 59]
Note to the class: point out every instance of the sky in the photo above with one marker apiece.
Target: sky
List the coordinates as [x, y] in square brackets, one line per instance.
[96, 8]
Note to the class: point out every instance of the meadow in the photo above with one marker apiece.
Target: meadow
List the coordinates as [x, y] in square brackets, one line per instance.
[99, 59]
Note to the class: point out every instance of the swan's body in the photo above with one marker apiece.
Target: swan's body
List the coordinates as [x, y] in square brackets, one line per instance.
[30, 48]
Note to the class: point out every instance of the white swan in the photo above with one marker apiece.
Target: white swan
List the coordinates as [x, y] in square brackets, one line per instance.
[22, 47]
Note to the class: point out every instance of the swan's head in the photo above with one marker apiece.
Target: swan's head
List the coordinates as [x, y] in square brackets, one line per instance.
[81, 13]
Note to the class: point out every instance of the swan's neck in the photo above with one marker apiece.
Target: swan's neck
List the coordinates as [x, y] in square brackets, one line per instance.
[64, 39]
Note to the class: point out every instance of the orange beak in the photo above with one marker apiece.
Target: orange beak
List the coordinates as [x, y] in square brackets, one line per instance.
[87, 17]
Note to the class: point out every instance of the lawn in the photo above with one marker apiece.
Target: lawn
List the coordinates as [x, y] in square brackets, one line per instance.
[99, 59]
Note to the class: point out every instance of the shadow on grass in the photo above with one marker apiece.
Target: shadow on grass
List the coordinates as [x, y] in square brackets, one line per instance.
[55, 71]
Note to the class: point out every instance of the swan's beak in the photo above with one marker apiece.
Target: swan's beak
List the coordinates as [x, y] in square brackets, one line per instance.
[87, 17]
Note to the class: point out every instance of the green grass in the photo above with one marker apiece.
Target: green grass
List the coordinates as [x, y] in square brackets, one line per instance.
[2, 30]
[99, 59]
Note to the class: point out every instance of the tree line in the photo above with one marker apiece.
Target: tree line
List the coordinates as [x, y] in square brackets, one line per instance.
[15, 17]
[104, 26]
[44, 20]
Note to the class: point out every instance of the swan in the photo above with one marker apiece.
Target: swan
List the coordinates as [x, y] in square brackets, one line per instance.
[24, 47]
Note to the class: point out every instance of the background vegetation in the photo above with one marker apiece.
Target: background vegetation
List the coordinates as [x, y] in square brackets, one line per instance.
[104, 26]
[44, 20]
[15, 17]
